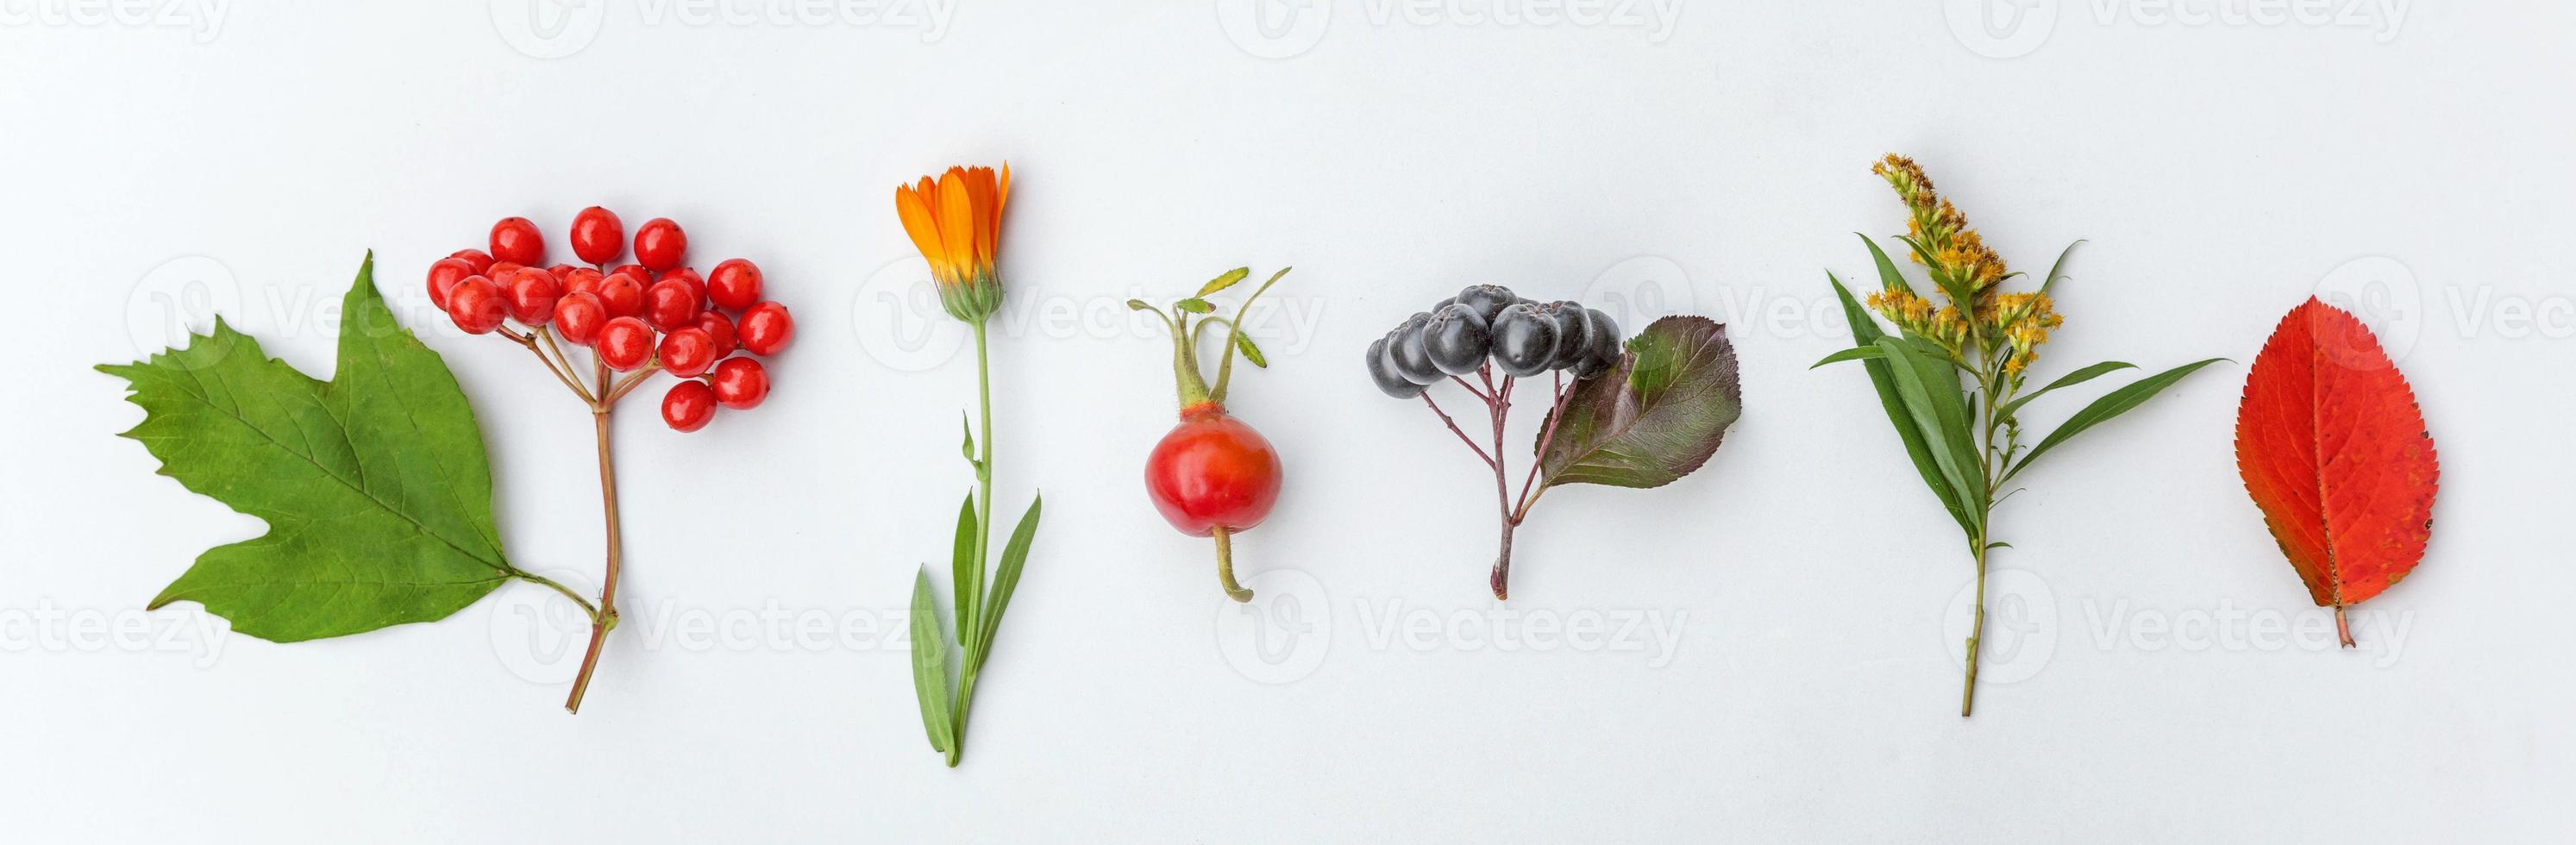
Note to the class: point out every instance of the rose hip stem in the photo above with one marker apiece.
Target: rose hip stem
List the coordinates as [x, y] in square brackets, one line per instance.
[1498, 405]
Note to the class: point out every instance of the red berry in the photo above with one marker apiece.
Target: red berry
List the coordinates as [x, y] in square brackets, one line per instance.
[597, 235]
[659, 244]
[578, 316]
[481, 260]
[740, 383]
[689, 405]
[734, 284]
[720, 330]
[690, 277]
[1211, 472]
[765, 328]
[532, 295]
[443, 274]
[688, 353]
[515, 239]
[582, 279]
[636, 270]
[477, 305]
[671, 304]
[623, 294]
[501, 270]
[624, 343]
[559, 271]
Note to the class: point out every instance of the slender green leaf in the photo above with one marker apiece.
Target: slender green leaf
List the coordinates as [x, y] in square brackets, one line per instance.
[1006, 577]
[1225, 281]
[2117, 402]
[1194, 305]
[2069, 380]
[1882, 377]
[1888, 277]
[2053, 275]
[930, 664]
[962, 569]
[1139, 305]
[1931, 394]
[1251, 352]
[1853, 354]
[967, 448]
[374, 485]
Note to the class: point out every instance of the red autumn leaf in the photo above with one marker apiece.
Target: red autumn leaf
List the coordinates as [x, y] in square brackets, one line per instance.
[2334, 451]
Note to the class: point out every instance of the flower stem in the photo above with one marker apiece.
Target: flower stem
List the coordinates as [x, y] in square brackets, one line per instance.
[970, 630]
[1976, 636]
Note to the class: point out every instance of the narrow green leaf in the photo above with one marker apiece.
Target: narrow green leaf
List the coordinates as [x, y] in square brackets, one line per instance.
[930, 664]
[968, 448]
[2069, 380]
[1139, 305]
[1194, 305]
[1888, 277]
[1882, 377]
[1225, 281]
[1856, 353]
[1994, 546]
[2117, 402]
[2053, 274]
[962, 569]
[1252, 353]
[1006, 577]
[374, 485]
[1931, 394]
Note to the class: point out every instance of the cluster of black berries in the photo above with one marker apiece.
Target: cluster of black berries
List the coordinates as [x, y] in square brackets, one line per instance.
[1486, 323]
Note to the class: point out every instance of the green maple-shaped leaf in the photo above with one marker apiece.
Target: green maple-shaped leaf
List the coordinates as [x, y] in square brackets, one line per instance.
[374, 485]
[1656, 416]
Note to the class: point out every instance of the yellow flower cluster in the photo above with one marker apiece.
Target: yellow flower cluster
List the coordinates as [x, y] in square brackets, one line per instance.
[2008, 326]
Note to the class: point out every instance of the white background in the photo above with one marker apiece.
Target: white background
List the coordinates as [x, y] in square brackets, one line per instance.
[1714, 160]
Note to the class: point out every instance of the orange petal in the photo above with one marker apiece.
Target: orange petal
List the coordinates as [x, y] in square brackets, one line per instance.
[979, 193]
[956, 219]
[917, 222]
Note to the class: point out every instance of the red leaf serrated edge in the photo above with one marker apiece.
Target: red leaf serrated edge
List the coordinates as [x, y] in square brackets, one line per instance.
[2334, 451]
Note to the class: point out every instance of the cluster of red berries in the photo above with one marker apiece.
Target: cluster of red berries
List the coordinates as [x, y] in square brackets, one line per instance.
[654, 312]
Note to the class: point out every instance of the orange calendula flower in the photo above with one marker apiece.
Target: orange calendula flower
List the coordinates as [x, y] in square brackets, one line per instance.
[956, 221]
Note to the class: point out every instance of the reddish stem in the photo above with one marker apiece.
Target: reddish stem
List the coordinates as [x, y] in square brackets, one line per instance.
[606, 619]
[2342, 628]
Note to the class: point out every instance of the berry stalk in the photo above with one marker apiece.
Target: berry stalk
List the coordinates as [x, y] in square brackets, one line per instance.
[605, 618]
